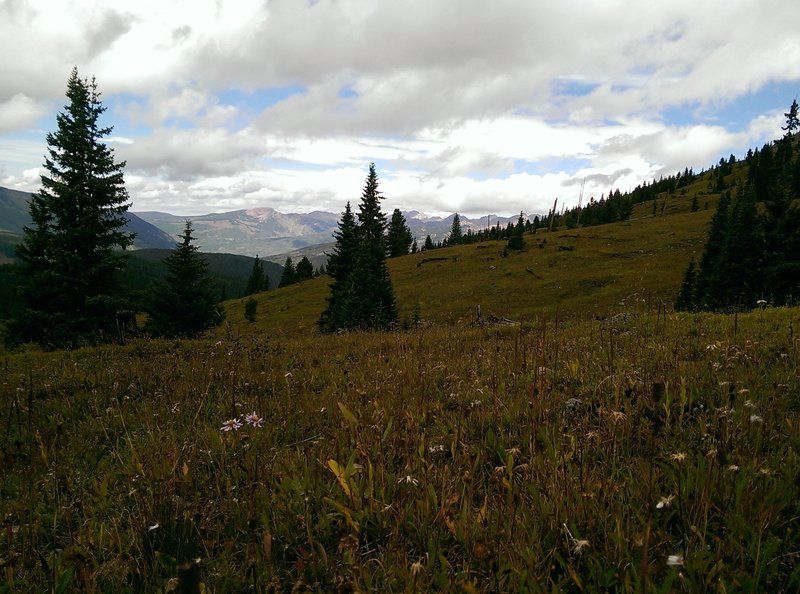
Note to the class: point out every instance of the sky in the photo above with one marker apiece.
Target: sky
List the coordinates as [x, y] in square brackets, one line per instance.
[464, 106]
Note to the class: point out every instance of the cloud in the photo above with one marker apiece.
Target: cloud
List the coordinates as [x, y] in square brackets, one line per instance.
[187, 154]
[463, 104]
[19, 113]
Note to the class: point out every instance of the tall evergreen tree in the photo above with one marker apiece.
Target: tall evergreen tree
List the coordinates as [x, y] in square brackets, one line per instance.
[685, 301]
[257, 281]
[378, 309]
[362, 296]
[185, 304]
[398, 236]
[428, 245]
[341, 263]
[67, 257]
[792, 120]
[710, 274]
[517, 239]
[289, 275]
[304, 269]
[455, 231]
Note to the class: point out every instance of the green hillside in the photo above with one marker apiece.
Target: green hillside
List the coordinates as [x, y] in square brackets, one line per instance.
[145, 268]
[583, 273]
[536, 449]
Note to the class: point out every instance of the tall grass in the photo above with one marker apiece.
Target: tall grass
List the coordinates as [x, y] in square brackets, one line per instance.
[657, 454]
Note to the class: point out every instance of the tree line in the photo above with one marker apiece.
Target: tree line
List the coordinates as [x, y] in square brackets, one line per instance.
[752, 252]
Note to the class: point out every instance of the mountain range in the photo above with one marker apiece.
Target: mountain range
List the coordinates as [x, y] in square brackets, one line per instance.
[14, 217]
[274, 235]
[264, 231]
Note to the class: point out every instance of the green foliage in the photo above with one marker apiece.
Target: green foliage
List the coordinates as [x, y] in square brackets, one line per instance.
[361, 295]
[398, 236]
[517, 239]
[455, 231]
[67, 262]
[686, 299]
[558, 456]
[304, 270]
[250, 309]
[753, 245]
[289, 275]
[258, 280]
[792, 120]
[185, 305]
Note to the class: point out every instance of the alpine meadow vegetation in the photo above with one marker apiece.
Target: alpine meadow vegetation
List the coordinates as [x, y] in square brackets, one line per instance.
[521, 411]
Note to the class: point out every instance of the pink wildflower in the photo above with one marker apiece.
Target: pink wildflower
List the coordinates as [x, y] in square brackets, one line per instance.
[254, 420]
[231, 425]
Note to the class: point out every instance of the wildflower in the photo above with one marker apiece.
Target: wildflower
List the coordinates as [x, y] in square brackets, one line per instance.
[515, 451]
[749, 404]
[665, 502]
[475, 403]
[733, 468]
[231, 425]
[409, 480]
[254, 420]
[678, 456]
[175, 408]
[153, 527]
[675, 560]
[756, 419]
[436, 449]
[617, 415]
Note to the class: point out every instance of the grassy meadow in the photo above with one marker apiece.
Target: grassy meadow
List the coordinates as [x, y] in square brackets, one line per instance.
[592, 440]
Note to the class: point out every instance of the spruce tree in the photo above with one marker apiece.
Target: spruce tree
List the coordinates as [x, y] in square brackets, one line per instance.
[341, 263]
[710, 277]
[685, 300]
[398, 237]
[455, 231]
[792, 120]
[517, 239]
[428, 245]
[378, 309]
[304, 269]
[257, 281]
[67, 258]
[362, 296]
[185, 304]
[289, 275]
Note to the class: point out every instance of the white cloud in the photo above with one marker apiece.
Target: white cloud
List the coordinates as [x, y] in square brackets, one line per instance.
[465, 104]
[19, 112]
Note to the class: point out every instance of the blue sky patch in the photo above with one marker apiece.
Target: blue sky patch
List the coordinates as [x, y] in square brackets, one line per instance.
[259, 99]
[347, 92]
[572, 88]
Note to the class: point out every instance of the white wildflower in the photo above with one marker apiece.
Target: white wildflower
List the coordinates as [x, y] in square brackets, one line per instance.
[675, 560]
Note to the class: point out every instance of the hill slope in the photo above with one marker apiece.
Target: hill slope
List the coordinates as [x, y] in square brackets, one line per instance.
[583, 272]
